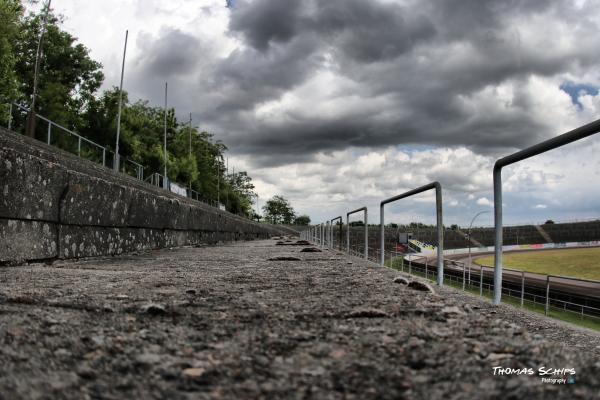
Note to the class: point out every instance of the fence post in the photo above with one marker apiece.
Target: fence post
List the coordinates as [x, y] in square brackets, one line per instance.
[49, 134]
[464, 274]
[410, 264]
[481, 280]
[79, 146]
[9, 116]
[104, 157]
[522, 287]
[426, 262]
[547, 294]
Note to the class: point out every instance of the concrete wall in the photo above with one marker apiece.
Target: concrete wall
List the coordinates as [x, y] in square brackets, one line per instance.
[55, 205]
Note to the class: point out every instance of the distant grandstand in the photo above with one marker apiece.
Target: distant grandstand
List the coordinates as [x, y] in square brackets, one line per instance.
[563, 232]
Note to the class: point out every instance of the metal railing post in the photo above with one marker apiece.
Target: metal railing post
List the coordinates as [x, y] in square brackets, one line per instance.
[464, 275]
[366, 230]
[426, 267]
[547, 295]
[522, 287]
[481, 280]
[49, 133]
[10, 107]
[79, 146]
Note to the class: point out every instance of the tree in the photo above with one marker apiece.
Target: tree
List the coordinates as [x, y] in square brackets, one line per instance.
[10, 14]
[68, 77]
[278, 210]
[302, 220]
[549, 222]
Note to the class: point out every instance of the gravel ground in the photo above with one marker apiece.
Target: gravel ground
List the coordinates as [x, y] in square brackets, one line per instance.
[227, 322]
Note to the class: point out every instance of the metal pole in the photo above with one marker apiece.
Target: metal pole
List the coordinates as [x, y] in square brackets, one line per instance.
[547, 295]
[165, 179]
[464, 275]
[481, 280]
[522, 287]
[117, 161]
[10, 107]
[79, 146]
[104, 157]
[469, 238]
[426, 262]
[190, 134]
[498, 236]
[31, 117]
[381, 231]
[366, 235]
[49, 134]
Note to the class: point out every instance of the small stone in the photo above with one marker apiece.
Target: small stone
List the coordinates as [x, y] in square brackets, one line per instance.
[154, 309]
[498, 356]
[148, 358]
[86, 372]
[420, 286]
[310, 250]
[401, 280]
[367, 313]
[193, 373]
[452, 310]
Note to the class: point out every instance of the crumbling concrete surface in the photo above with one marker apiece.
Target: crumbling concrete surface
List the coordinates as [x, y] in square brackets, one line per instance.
[225, 322]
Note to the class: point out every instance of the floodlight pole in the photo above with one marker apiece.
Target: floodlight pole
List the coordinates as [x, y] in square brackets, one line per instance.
[117, 160]
[165, 180]
[469, 238]
[38, 56]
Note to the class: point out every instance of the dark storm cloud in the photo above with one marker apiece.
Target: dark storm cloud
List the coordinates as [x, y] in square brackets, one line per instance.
[173, 53]
[263, 21]
[423, 71]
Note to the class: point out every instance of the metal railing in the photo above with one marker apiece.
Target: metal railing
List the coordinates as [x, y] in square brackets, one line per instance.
[104, 156]
[481, 279]
[550, 144]
[439, 220]
[100, 154]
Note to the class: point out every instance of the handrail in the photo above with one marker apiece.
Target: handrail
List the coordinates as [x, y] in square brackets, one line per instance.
[440, 227]
[364, 209]
[550, 144]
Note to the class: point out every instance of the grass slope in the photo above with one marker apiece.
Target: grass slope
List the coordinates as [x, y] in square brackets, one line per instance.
[579, 263]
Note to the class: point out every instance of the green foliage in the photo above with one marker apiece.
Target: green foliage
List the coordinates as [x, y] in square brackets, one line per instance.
[10, 13]
[67, 94]
[278, 210]
[68, 77]
[302, 220]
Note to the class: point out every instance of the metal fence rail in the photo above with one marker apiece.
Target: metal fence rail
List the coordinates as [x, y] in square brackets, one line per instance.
[102, 155]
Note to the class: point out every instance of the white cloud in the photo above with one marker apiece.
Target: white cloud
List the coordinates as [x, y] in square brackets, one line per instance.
[482, 201]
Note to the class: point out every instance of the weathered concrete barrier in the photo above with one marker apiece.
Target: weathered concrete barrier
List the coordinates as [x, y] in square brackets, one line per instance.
[56, 205]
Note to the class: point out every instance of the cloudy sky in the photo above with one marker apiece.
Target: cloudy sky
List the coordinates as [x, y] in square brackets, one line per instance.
[337, 104]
